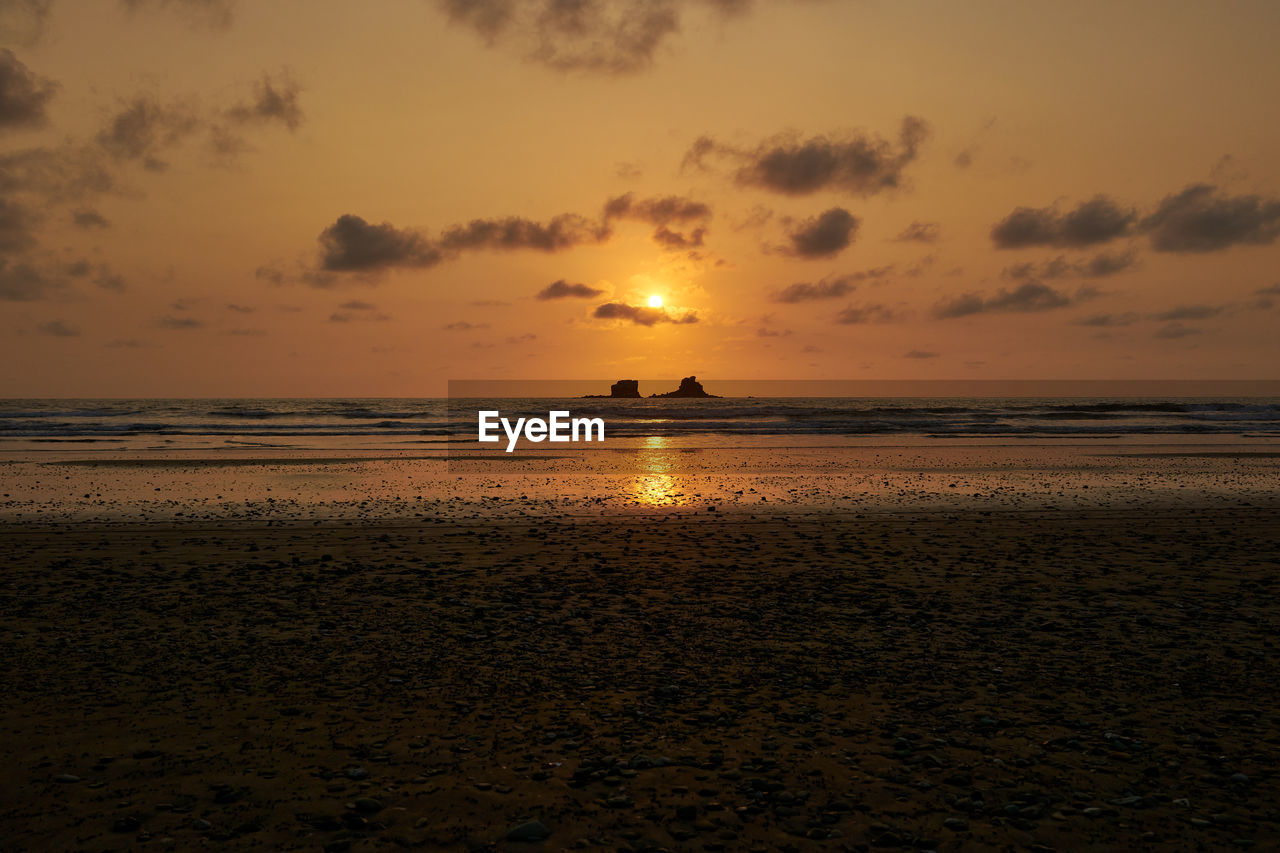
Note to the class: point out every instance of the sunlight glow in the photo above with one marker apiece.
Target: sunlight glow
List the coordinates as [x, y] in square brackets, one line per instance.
[655, 301]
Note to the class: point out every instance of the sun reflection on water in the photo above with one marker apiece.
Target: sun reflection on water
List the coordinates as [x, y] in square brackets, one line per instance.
[656, 485]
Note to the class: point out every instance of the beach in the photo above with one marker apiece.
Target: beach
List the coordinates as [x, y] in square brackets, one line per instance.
[932, 647]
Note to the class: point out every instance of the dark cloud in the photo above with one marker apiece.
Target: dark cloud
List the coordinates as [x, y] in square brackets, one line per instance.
[217, 14]
[919, 232]
[89, 218]
[1190, 312]
[359, 315]
[919, 353]
[824, 235]
[1106, 320]
[358, 305]
[1099, 266]
[463, 326]
[1032, 296]
[662, 212]
[58, 329]
[273, 100]
[527, 337]
[676, 240]
[56, 174]
[269, 274]
[1202, 219]
[829, 287]
[860, 164]
[564, 290]
[23, 94]
[240, 309]
[1269, 290]
[353, 245]
[144, 128]
[23, 282]
[765, 332]
[513, 232]
[641, 315]
[180, 323]
[863, 314]
[1174, 331]
[1098, 220]
[599, 36]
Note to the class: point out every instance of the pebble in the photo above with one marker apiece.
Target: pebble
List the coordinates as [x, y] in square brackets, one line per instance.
[534, 830]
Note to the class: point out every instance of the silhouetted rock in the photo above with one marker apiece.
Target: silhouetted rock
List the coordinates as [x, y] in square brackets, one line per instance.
[689, 387]
[627, 389]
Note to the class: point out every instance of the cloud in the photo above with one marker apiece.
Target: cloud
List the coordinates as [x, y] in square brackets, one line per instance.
[1033, 296]
[513, 232]
[273, 100]
[89, 218]
[23, 282]
[58, 329]
[143, 128]
[860, 164]
[765, 332]
[595, 36]
[919, 232]
[358, 317]
[463, 326]
[179, 323]
[656, 211]
[217, 14]
[1099, 266]
[1098, 220]
[1106, 321]
[1190, 312]
[1174, 331]
[358, 305]
[1201, 219]
[352, 244]
[240, 309]
[823, 236]
[919, 353]
[527, 337]
[564, 290]
[641, 315]
[863, 314]
[676, 241]
[23, 94]
[662, 212]
[829, 287]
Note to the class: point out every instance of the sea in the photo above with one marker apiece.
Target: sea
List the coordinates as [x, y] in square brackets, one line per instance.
[396, 422]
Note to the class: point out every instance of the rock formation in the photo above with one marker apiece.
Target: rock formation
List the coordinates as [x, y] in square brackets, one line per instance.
[689, 387]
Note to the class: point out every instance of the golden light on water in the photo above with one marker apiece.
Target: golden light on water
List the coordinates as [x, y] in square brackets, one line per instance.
[656, 485]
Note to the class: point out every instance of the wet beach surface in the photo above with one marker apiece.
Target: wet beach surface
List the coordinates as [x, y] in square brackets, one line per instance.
[997, 664]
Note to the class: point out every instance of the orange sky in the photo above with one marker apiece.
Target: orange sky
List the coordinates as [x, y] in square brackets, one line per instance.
[210, 198]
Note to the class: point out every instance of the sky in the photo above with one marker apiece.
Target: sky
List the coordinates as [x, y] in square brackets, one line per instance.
[210, 198]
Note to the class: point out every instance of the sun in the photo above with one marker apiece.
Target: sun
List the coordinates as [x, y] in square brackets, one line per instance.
[655, 301]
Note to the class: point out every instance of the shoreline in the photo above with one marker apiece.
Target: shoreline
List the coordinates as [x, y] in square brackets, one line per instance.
[1064, 679]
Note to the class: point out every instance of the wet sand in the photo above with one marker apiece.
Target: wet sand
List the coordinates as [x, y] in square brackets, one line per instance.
[1089, 663]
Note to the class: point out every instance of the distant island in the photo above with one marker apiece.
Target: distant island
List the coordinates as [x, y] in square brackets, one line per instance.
[629, 389]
